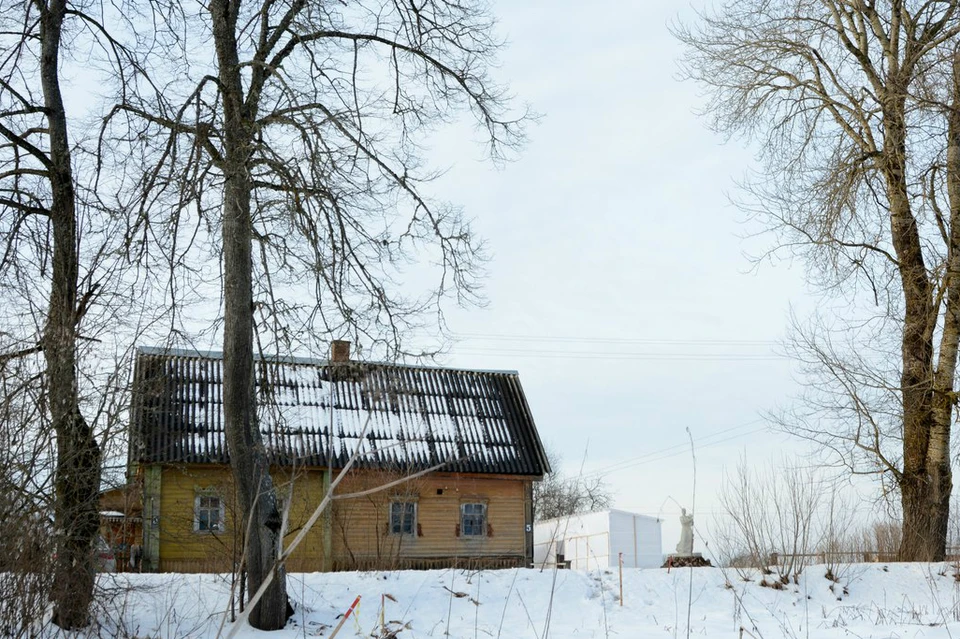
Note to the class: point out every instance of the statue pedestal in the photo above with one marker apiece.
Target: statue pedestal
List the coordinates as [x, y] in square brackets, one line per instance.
[687, 560]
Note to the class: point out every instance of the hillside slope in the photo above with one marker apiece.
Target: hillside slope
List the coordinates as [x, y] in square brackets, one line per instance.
[894, 600]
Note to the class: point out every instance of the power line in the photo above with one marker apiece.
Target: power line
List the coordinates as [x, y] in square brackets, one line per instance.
[554, 354]
[610, 340]
[553, 347]
[676, 449]
[681, 452]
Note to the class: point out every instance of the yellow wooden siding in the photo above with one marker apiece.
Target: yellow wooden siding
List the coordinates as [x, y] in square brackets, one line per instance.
[184, 550]
[360, 524]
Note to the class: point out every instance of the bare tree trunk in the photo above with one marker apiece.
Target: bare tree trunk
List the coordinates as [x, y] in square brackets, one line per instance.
[944, 397]
[918, 498]
[77, 480]
[247, 454]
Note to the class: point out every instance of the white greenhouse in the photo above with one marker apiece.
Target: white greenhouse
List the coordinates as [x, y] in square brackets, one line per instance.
[595, 541]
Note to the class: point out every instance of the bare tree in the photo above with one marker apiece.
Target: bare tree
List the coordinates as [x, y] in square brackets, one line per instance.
[38, 196]
[560, 495]
[26, 473]
[66, 301]
[769, 519]
[299, 156]
[854, 109]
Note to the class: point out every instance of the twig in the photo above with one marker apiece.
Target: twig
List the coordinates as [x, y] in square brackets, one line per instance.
[506, 601]
[453, 576]
[529, 618]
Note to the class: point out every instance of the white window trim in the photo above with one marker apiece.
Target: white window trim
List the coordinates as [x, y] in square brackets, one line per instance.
[196, 512]
[413, 532]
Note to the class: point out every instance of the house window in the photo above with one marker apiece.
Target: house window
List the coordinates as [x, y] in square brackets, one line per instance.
[207, 513]
[473, 520]
[403, 518]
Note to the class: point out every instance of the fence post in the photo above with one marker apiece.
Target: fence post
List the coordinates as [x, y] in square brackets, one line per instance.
[621, 578]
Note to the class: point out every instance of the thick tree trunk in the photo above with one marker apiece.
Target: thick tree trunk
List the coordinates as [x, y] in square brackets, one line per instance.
[77, 479]
[251, 472]
[923, 486]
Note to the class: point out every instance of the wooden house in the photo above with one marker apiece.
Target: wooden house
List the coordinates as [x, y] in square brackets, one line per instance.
[474, 510]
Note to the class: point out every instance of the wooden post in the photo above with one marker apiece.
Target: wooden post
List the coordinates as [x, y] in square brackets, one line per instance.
[621, 578]
[327, 519]
[328, 476]
[151, 518]
[528, 523]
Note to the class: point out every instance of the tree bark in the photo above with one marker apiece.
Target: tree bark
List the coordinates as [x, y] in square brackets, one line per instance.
[77, 479]
[921, 480]
[248, 457]
[944, 396]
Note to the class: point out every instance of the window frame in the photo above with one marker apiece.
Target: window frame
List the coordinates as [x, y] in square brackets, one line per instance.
[413, 518]
[484, 521]
[219, 509]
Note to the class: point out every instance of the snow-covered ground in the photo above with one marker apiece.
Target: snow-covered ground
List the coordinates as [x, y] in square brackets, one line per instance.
[871, 600]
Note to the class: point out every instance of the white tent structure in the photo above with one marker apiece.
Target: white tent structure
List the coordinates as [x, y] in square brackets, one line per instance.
[595, 541]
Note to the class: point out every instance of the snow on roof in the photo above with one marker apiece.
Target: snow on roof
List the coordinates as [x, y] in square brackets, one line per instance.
[310, 411]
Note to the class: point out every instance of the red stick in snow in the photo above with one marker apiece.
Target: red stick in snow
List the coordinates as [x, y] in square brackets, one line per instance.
[344, 618]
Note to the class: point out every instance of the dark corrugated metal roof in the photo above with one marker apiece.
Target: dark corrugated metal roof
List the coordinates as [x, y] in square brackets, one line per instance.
[310, 409]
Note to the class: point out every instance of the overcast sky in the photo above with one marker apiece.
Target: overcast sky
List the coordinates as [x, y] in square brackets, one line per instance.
[619, 287]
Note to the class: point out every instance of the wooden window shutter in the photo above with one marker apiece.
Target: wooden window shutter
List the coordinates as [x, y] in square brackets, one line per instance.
[419, 530]
[458, 530]
[489, 530]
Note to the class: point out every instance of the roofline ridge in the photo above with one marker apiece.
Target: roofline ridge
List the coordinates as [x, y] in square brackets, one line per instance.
[315, 361]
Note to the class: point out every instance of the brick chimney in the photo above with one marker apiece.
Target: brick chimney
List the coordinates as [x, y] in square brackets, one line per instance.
[339, 351]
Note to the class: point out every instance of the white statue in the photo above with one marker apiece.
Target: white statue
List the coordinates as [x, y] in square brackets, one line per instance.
[685, 547]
